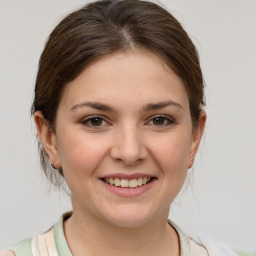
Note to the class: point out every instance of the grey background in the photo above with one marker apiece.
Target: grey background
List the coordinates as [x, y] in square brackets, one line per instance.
[221, 201]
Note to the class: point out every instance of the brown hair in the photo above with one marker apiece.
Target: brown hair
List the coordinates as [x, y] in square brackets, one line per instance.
[104, 27]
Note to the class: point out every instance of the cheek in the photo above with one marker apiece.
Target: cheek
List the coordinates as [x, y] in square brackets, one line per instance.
[171, 156]
[172, 153]
[79, 154]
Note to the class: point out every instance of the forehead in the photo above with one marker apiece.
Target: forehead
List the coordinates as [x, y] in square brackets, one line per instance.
[132, 77]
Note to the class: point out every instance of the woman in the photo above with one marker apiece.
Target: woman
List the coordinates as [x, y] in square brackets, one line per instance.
[119, 112]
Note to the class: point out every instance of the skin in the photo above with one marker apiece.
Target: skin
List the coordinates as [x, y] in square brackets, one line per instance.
[128, 140]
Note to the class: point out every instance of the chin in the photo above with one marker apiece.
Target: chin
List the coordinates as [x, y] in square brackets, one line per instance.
[130, 217]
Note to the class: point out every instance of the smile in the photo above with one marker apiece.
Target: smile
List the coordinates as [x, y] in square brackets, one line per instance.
[125, 183]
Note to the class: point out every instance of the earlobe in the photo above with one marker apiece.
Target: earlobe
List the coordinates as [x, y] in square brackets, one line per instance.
[196, 138]
[47, 138]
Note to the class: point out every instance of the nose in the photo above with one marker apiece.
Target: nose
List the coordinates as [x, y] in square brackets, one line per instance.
[128, 146]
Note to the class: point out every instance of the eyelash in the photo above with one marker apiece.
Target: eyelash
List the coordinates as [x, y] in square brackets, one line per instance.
[91, 118]
[166, 121]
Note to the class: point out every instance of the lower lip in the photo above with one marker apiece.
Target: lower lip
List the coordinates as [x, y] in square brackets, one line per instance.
[129, 192]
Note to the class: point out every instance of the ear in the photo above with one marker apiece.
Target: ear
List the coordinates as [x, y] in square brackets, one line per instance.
[48, 138]
[196, 138]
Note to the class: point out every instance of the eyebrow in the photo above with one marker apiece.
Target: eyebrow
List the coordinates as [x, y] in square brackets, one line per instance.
[95, 105]
[148, 107]
[160, 105]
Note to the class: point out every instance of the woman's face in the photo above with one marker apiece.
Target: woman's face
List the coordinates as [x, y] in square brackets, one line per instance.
[123, 122]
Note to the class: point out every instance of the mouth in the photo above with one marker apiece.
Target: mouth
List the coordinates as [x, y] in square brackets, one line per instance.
[125, 183]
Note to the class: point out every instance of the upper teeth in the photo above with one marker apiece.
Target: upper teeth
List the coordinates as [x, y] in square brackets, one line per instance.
[127, 183]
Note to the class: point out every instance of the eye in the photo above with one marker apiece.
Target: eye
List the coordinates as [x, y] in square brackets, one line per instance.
[161, 121]
[94, 121]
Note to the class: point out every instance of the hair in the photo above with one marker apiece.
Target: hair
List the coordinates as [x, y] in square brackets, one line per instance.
[102, 28]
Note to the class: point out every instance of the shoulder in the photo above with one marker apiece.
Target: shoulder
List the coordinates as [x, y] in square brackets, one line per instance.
[7, 253]
[203, 247]
[23, 248]
[42, 244]
[197, 249]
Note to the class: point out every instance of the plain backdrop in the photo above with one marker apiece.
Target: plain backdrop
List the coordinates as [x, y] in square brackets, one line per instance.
[221, 202]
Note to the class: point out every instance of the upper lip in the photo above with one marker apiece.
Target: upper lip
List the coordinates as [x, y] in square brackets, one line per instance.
[128, 176]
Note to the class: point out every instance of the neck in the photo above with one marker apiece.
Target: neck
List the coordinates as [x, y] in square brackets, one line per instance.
[83, 233]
